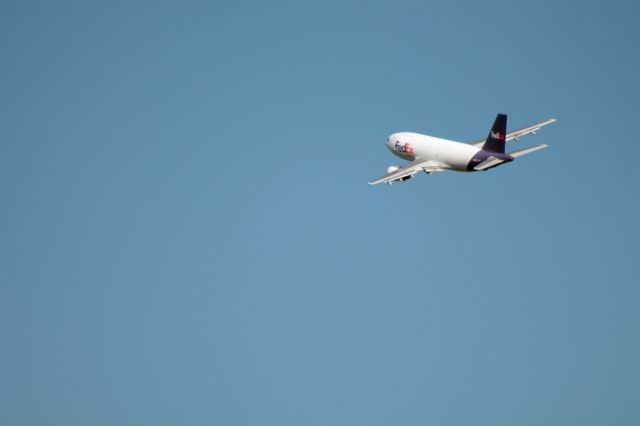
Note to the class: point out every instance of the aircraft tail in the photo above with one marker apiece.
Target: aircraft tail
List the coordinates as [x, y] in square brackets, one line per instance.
[497, 135]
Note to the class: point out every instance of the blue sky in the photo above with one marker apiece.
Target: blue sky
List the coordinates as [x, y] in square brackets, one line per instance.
[188, 236]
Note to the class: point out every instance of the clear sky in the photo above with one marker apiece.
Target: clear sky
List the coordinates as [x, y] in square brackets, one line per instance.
[188, 237]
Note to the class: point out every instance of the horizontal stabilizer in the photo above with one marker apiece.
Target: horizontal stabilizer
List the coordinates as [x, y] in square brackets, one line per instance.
[525, 151]
[488, 163]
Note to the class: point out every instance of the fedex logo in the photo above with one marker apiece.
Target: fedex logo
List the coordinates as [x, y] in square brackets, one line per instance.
[497, 135]
[406, 148]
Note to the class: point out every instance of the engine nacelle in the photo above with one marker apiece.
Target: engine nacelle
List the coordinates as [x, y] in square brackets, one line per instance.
[392, 169]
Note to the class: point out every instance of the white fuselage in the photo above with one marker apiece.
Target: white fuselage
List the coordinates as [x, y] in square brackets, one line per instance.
[450, 154]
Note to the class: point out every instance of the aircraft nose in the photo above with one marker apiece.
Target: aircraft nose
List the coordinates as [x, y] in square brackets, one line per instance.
[390, 140]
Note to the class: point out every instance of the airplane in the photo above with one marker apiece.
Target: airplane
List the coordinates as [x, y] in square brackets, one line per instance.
[430, 154]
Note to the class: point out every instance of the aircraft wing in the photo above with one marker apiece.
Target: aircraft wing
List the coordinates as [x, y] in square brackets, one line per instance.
[520, 132]
[410, 169]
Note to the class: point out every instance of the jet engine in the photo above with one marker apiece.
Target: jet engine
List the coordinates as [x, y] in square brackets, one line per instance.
[392, 169]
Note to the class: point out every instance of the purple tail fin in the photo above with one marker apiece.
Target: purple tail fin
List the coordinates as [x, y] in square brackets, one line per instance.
[497, 135]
